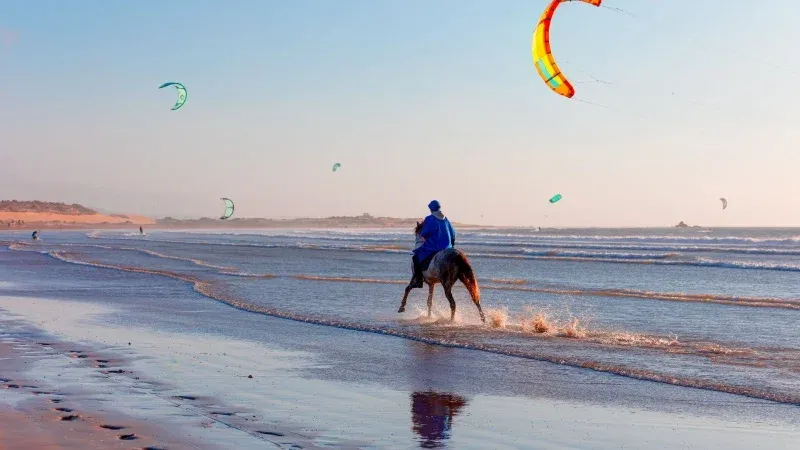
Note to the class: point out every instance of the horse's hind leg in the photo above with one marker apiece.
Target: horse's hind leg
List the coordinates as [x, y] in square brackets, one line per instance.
[430, 298]
[480, 311]
[405, 296]
[450, 299]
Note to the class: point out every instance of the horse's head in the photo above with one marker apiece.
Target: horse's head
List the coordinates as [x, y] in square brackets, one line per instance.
[417, 238]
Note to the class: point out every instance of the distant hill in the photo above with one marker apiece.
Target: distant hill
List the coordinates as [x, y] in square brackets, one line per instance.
[16, 214]
[35, 206]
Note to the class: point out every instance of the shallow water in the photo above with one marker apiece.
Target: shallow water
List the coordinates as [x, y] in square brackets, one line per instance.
[716, 310]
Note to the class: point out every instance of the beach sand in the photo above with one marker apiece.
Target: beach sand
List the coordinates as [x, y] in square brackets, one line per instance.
[188, 390]
[37, 412]
[32, 219]
[56, 394]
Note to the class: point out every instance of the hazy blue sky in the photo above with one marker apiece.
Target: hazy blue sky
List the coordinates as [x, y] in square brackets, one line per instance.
[417, 99]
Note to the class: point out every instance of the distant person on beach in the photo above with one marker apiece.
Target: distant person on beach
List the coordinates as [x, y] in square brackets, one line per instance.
[438, 234]
[35, 235]
[141, 231]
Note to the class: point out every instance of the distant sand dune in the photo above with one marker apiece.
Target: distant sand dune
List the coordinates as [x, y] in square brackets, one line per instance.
[84, 219]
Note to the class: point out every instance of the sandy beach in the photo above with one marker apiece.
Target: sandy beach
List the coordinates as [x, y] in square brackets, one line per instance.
[57, 394]
[85, 387]
[48, 220]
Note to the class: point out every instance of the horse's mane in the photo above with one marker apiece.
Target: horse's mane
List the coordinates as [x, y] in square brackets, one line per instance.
[418, 228]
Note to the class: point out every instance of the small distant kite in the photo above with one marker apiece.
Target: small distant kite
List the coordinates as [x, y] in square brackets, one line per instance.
[555, 198]
[724, 203]
[543, 56]
[336, 166]
[181, 93]
[228, 208]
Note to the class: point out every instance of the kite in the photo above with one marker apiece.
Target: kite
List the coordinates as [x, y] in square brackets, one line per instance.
[228, 208]
[724, 203]
[542, 55]
[555, 198]
[336, 166]
[181, 93]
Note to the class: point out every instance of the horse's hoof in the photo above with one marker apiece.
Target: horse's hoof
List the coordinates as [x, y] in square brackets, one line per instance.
[401, 310]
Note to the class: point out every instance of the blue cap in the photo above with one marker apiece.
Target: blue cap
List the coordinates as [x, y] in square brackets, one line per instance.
[434, 206]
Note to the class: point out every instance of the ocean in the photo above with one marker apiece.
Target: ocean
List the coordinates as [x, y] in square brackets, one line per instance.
[705, 312]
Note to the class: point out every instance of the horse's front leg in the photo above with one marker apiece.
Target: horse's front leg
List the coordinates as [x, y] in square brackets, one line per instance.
[405, 296]
[430, 298]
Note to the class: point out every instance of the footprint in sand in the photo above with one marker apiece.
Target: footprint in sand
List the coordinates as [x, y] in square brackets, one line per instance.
[112, 427]
[70, 418]
[128, 437]
[67, 410]
[185, 397]
[222, 413]
[271, 433]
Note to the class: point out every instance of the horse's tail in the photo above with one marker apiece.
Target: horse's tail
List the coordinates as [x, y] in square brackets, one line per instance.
[467, 276]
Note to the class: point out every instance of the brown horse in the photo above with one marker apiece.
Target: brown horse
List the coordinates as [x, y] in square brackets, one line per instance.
[447, 267]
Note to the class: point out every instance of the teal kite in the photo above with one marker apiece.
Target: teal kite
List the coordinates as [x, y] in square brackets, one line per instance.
[181, 93]
[555, 198]
[336, 166]
[228, 208]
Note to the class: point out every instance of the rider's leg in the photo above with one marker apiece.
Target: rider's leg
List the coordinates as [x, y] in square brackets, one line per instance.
[417, 280]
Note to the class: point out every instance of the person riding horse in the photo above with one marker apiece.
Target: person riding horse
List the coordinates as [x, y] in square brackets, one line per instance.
[438, 234]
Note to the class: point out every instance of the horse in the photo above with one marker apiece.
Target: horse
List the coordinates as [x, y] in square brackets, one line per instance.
[446, 267]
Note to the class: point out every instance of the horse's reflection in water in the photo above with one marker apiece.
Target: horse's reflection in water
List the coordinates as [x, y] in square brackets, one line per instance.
[432, 416]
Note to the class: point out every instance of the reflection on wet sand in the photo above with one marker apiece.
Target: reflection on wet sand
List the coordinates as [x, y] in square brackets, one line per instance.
[432, 416]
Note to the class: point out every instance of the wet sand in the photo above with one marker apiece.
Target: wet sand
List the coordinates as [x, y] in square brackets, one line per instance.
[35, 412]
[190, 389]
[56, 394]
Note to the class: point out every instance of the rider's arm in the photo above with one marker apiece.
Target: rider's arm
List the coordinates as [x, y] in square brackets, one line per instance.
[452, 234]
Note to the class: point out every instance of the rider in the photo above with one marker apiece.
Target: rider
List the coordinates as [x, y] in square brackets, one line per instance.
[438, 235]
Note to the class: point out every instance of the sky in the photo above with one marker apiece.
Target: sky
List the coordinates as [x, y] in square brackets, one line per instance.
[418, 100]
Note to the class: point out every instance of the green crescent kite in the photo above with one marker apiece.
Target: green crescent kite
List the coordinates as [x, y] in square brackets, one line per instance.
[228, 208]
[555, 198]
[182, 95]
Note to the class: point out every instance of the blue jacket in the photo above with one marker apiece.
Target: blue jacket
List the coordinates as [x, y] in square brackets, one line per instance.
[438, 234]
